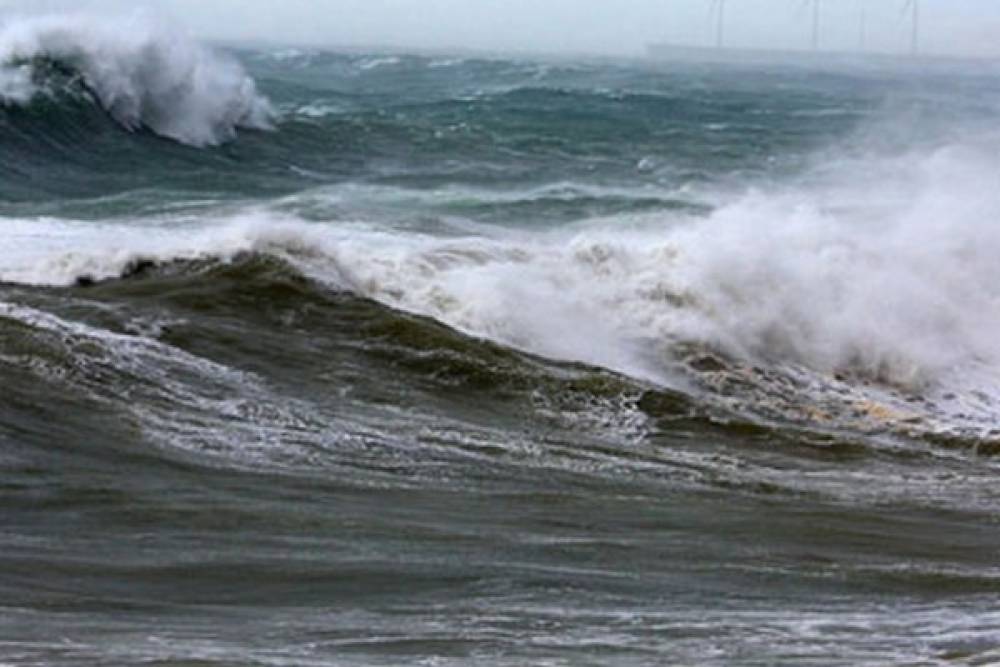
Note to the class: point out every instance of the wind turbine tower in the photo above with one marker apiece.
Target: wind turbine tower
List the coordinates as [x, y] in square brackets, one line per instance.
[815, 5]
[863, 34]
[717, 11]
[913, 8]
[815, 35]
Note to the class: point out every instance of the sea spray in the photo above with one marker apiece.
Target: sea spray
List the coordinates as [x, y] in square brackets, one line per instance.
[896, 283]
[144, 74]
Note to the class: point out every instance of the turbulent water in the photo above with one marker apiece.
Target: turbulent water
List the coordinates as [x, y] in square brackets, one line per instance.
[317, 358]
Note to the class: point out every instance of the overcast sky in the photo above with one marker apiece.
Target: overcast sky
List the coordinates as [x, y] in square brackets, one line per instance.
[597, 26]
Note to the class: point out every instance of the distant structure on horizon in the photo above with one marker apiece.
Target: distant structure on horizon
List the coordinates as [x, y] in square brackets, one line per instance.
[913, 6]
[815, 22]
[863, 31]
[717, 20]
[717, 10]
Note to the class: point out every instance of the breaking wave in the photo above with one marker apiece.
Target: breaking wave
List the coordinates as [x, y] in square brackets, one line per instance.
[895, 283]
[866, 284]
[143, 74]
[812, 302]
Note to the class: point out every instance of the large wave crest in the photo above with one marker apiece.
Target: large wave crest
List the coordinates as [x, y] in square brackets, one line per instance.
[144, 74]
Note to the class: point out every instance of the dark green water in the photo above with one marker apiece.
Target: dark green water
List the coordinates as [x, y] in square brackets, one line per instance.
[449, 361]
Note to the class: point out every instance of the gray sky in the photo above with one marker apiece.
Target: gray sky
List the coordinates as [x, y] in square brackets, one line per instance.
[970, 27]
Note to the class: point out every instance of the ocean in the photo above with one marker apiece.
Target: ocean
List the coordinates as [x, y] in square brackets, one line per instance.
[318, 357]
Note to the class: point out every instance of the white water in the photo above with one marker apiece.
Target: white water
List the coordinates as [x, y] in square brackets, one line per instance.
[882, 267]
[144, 73]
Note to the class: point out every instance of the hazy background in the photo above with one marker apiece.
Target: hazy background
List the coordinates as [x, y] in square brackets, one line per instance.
[620, 27]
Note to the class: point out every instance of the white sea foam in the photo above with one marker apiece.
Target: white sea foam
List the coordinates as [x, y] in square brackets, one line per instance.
[224, 412]
[318, 109]
[16, 86]
[891, 276]
[378, 62]
[143, 73]
[442, 63]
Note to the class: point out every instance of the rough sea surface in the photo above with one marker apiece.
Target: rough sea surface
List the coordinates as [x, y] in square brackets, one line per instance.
[319, 358]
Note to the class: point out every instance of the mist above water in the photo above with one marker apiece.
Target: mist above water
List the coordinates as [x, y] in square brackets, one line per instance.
[954, 27]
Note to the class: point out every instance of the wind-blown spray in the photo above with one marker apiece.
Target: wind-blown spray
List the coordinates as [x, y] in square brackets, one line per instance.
[143, 74]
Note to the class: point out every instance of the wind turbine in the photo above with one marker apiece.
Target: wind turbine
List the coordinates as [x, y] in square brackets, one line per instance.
[913, 7]
[717, 11]
[815, 4]
[863, 34]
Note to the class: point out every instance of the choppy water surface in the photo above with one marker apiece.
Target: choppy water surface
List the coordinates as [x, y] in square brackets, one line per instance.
[311, 358]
